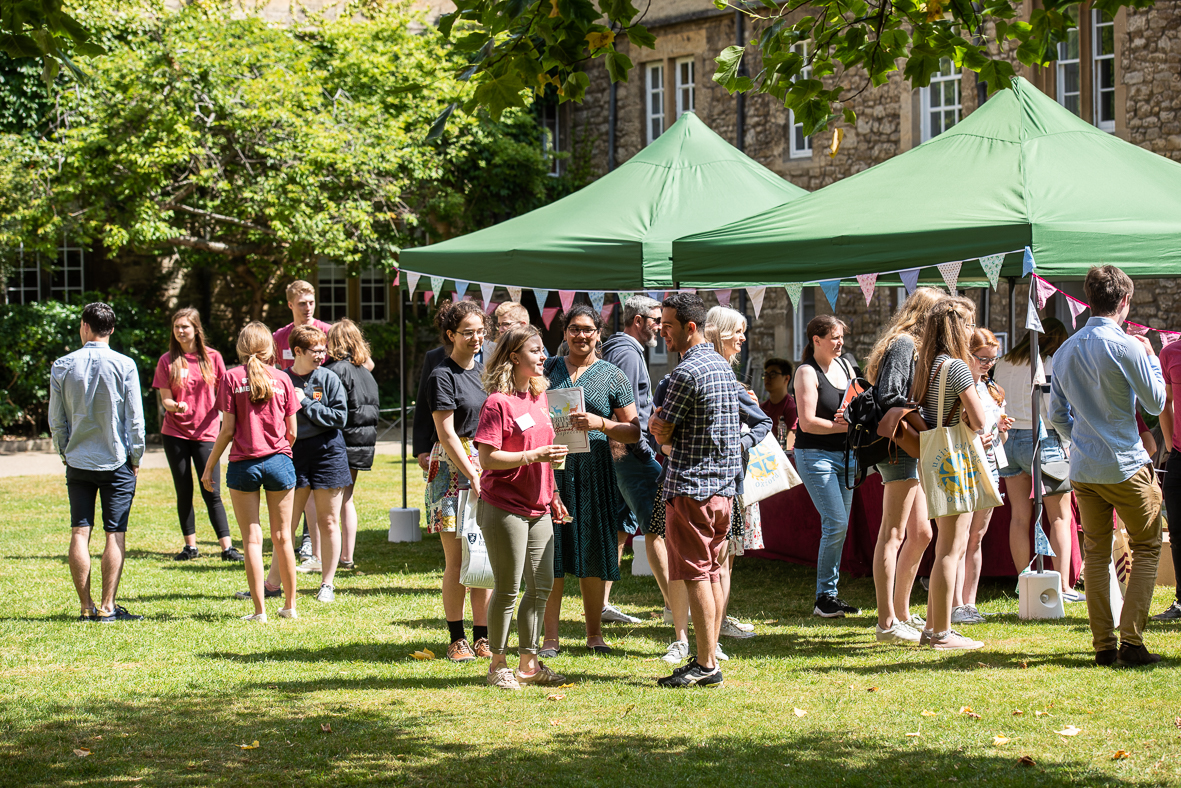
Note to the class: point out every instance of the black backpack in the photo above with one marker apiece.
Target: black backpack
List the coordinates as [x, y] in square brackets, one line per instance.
[863, 414]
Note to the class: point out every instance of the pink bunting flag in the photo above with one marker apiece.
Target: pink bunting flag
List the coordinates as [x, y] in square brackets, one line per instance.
[548, 314]
[1044, 291]
[690, 290]
[456, 298]
[1168, 337]
[867, 283]
[951, 274]
[606, 311]
[723, 297]
[1076, 308]
[397, 279]
[567, 299]
[491, 306]
[426, 296]
[1135, 329]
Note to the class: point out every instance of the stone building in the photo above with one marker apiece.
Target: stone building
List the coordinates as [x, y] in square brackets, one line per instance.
[1121, 74]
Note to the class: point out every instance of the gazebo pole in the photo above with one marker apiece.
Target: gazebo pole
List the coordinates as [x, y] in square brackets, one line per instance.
[402, 382]
[1012, 313]
[1037, 442]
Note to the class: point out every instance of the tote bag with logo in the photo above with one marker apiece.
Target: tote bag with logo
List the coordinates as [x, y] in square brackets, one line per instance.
[768, 471]
[953, 466]
[474, 569]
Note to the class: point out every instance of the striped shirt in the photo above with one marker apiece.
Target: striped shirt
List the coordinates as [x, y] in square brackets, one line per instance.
[958, 380]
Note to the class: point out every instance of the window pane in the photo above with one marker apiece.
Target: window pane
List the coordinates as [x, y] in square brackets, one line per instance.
[1071, 103]
[1071, 74]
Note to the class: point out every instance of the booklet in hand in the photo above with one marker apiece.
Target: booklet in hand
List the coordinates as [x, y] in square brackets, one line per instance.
[562, 403]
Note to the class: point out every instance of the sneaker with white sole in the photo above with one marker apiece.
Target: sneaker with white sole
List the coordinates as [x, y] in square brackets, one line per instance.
[827, 606]
[1170, 613]
[326, 593]
[1071, 596]
[950, 640]
[677, 652]
[741, 624]
[692, 675]
[730, 631]
[916, 622]
[259, 618]
[288, 612]
[965, 614]
[721, 655]
[898, 632]
[544, 677]
[925, 637]
[309, 565]
[613, 615]
[503, 678]
[668, 617]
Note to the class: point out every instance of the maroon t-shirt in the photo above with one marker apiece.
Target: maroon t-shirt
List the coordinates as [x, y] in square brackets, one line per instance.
[260, 428]
[783, 413]
[202, 420]
[284, 356]
[517, 422]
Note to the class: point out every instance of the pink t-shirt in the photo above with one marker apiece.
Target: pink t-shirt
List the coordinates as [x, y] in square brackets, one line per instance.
[260, 428]
[517, 422]
[202, 420]
[1170, 362]
[284, 356]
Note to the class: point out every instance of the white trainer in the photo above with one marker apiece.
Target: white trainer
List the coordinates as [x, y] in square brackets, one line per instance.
[728, 630]
[677, 652]
[741, 624]
[898, 632]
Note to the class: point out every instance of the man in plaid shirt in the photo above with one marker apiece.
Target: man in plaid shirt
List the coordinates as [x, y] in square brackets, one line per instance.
[699, 420]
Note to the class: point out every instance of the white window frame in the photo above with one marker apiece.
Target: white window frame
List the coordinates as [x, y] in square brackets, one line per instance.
[795, 149]
[686, 90]
[938, 80]
[374, 296]
[67, 268]
[653, 97]
[799, 324]
[1097, 60]
[15, 289]
[1062, 67]
[331, 276]
[551, 136]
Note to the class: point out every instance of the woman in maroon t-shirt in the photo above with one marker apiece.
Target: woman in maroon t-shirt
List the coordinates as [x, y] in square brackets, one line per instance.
[517, 498]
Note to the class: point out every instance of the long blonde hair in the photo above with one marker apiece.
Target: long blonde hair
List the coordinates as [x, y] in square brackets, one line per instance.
[176, 354]
[908, 319]
[256, 350]
[721, 324]
[947, 330]
[345, 340]
[498, 373]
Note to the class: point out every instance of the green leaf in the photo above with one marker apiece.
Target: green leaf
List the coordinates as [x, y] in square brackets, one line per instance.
[440, 124]
[639, 36]
[618, 66]
[998, 74]
[17, 46]
[574, 88]
[496, 94]
[728, 62]
[850, 116]
[446, 22]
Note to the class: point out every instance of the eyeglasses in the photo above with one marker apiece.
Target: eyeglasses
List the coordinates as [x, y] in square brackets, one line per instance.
[507, 326]
[580, 331]
[985, 361]
[655, 320]
[770, 373]
[472, 333]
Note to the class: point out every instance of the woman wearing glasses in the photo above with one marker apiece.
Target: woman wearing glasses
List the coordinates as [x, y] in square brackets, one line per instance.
[585, 545]
[1013, 375]
[455, 395]
[984, 350]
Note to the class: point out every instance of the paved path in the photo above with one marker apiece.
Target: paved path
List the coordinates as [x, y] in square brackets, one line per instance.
[46, 463]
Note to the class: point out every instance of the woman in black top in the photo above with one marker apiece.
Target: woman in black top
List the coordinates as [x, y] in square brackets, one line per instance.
[348, 352]
[821, 380]
[455, 396]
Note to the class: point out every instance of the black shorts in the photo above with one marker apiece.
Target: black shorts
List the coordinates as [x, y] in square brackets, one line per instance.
[116, 489]
[321, 462]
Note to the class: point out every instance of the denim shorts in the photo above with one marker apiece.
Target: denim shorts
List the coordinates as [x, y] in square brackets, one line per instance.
[1019, 449]
[274, 473]
[906, 468]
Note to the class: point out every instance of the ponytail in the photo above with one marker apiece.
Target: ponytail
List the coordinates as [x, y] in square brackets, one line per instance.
[256, 350]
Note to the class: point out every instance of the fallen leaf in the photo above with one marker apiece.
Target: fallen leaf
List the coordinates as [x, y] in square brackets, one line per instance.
[1119, 755]
[1069, 730]
[927, 713]
[555, 723]
[1177, 722]
[916, 733]
[566, 686]
[982, 665]
[770, 621]
[799, 712]
[1041, 714]
[423, 655]
[967, 712]
[97, 737]
[999, 740]
[253, 746]
[871, 689]
[429, 653]
[1025, 760]
[1017, 712]
[554, 697]
[629, 708]
[326, 727]
[1023, 664]
[82, 752]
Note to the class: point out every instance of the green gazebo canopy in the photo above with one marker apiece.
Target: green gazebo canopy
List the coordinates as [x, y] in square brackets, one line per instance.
[1019, 171]
[616, 233]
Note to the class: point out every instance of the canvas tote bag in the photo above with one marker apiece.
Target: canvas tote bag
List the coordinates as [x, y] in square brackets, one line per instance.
[475, 570]
[953, 466]
[768, 471]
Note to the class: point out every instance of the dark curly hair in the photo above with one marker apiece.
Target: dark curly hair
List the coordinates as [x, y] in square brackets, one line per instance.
[452, 313]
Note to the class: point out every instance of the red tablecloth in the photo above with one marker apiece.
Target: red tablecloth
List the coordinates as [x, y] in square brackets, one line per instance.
[791, 532]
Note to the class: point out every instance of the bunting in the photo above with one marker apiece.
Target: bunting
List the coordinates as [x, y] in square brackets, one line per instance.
[548, 314]
[1135, 329]
[1043, 291]
[540, 295]
[910, 279]
[1032, 321]
[596, 300]
[1027, 264]
[436, 285]
[992, 267]
[514, 294]
[606, 311]
[794, 291]
[490, 307]
[1076, 308]
[867, 281]
[412, 281]
[1168, 337]
[426, 296]
[832, 291]
[656, 295]
[624, 295]
[460, 288]
[567, 299]
[951, 274]
[756, 298]
[723, 297]
[486, 292]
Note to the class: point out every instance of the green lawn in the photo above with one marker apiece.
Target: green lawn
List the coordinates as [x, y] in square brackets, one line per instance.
[335, 698]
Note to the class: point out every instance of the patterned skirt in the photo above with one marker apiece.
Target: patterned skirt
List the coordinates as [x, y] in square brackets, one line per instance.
[746, 523]
[443, 482]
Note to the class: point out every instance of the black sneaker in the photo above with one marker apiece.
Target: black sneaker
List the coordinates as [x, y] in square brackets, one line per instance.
[266, 593]
[90, 615]
[692, 675]
[828, 606]
[187, 554]
[120, 614]
[1171, 613]
[232, 553]
[846, 608]
[1135, 656]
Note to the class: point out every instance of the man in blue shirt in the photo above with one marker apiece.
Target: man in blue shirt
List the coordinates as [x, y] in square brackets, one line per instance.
[1099, 374]
[97, 422]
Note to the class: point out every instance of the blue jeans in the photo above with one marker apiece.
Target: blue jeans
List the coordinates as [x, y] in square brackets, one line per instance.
[823, 473]
[636, 479]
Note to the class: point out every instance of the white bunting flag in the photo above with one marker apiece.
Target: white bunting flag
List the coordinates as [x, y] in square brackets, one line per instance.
[910, 279]
[541, 296]
[951, 274]
[486, 292]
[1076, 308]
[1032, 321]
[794, 291]
[723, 297]
[992, 267]
[412, 281]
[596, 299]
[867, 281]
[756, 298]
[514, 294]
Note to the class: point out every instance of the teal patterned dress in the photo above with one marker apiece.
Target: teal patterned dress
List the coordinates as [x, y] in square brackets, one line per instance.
[587, 546]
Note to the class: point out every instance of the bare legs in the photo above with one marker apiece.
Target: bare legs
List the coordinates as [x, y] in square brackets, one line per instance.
[1057, 511]
[949, 549]
[896, 562]
[705, 600]
[246, 512]
[454, 591]
[593, 591]
[112, 567]
[968, 577]
[348, 521]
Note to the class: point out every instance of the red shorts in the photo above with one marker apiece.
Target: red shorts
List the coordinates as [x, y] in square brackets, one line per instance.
[693, 533]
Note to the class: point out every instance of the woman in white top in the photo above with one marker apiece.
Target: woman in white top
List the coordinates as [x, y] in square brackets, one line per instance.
[1013, 375]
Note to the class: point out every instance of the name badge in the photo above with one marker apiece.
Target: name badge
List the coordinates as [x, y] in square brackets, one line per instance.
[287, 354]
[184, 373]
[524, 421]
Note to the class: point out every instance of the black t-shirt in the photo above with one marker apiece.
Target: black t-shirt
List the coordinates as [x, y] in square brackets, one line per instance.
[454, 388]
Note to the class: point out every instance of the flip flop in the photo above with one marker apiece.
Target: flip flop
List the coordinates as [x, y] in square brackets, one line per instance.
[549, 653]
[599, 649]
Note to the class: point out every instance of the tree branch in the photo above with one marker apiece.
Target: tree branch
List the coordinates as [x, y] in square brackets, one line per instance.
[217, 247]
[217, 217]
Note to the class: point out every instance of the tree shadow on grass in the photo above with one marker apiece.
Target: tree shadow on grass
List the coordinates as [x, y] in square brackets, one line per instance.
[196, 742]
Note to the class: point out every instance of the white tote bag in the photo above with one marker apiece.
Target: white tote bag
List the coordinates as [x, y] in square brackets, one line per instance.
[474, 570]
[768, 472]
[953, 466]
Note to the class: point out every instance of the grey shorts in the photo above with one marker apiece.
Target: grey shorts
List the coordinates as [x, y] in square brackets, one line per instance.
[906, 467]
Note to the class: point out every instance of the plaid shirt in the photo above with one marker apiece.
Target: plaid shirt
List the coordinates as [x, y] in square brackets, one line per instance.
[702, 406]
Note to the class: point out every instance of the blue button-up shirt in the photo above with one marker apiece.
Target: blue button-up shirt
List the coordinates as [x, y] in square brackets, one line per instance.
[1099, 373]
[96, 411]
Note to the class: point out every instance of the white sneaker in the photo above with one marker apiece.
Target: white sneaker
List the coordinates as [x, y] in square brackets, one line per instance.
[721, 655]
[1072, 596]
[260, 618]
[678, 652]
[898, 632]
[326, 594]
[741, 624]
[916, 622]
[730, 631]
[613, 615]
[668, 617]
[288, 612]
[953, 641]
[309, 565]
[962, 615]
